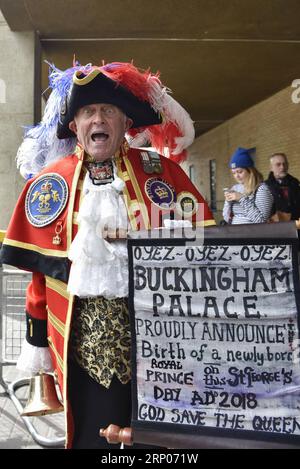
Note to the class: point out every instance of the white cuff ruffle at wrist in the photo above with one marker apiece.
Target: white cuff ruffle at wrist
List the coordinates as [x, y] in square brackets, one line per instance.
[34, 359]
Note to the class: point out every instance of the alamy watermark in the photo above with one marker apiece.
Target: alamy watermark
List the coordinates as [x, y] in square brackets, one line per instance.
[296, 93]
[174, 221]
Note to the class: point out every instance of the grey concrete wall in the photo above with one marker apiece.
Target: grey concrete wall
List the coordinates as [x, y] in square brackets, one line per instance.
[16, 110]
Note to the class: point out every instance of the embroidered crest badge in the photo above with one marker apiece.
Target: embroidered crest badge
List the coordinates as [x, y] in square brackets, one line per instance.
[101, 172]
[46, 198]
[186, 204]
[160, 192]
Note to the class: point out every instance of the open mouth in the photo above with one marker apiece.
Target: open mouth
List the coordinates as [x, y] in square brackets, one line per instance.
[99, 137]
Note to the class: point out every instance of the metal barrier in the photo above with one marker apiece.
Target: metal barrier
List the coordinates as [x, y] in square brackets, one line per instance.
[13, 284]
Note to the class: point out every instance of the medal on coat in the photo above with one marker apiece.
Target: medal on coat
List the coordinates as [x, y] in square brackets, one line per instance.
[58, 229]
[151, 162]
[101, 172]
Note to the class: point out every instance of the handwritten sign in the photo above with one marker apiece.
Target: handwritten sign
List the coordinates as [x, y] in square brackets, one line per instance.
[216, 336]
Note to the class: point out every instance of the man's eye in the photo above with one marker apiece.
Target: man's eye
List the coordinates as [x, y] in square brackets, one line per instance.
[109, 110]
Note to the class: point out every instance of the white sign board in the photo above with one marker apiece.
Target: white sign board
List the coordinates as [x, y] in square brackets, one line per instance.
[215, 337]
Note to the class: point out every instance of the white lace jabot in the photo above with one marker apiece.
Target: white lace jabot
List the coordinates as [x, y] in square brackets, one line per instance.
[99, 267]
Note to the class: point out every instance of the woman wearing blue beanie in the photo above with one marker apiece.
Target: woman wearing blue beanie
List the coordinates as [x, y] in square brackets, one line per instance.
[250, 200]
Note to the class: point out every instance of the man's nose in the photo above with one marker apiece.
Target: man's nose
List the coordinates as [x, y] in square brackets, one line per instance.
[99, 116]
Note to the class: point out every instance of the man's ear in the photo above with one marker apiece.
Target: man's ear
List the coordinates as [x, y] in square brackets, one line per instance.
[128, 124]
[73, 127]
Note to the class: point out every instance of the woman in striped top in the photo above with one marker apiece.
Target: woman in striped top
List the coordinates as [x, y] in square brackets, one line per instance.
[250, 200]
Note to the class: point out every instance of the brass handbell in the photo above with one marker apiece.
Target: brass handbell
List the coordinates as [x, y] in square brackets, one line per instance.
[43, 397]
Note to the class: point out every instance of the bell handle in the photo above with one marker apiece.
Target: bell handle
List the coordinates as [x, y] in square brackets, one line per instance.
[115, 434]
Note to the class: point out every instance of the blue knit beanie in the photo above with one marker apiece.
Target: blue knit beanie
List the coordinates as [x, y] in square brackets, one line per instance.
[241, 158]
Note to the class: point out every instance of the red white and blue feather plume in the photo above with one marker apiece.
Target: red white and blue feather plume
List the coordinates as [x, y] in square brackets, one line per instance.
[176, 132]
[41, 146]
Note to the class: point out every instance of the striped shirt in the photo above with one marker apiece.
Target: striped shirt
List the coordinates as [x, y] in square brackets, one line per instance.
[253, 208]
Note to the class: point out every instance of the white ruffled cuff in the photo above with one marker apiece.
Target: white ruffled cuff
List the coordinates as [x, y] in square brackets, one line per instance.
[34, 359]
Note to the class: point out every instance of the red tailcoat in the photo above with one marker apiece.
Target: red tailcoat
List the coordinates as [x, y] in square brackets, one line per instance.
[31, 248]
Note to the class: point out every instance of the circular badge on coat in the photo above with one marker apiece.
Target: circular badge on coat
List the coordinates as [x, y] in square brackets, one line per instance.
[187, 204]
[46, 198]
[160, 192]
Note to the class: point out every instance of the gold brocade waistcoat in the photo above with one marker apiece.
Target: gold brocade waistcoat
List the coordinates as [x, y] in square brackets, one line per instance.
[100, 338]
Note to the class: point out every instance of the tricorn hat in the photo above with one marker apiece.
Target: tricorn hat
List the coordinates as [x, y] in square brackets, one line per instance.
[96, 87]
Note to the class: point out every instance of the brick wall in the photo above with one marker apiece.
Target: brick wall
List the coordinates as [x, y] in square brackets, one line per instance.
[270, 126]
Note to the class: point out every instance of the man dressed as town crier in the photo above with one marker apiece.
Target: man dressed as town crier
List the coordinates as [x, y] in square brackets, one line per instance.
[87, 187]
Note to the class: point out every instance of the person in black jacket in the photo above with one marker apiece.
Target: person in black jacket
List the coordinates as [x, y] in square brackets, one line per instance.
[285, 189]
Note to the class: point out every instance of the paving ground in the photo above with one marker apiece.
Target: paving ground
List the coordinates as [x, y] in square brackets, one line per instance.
[13, 432]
